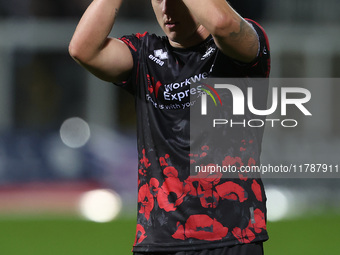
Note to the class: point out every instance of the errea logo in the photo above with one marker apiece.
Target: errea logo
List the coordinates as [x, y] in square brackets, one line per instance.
[158, 56]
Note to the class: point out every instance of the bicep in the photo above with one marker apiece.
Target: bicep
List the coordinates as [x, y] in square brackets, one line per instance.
[241, 44]
[113, 62]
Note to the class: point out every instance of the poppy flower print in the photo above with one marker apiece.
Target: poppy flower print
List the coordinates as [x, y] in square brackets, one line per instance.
[232, 191]
[145, 200]
[170, 171]
[208, 197]
[204, 186]
[204, 153]
[247, 235]
[162, 160]
[244, 236]
[260, 221]
[243, 176]
[144, 160]
[177, 210]
[144, 164]
[140, 234]
[165, 194]
[171, 194]
[201, 227]
[154, 186]
[232, 161]
[256, 188]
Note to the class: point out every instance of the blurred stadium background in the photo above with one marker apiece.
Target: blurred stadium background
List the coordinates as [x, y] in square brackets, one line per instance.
[67, 140]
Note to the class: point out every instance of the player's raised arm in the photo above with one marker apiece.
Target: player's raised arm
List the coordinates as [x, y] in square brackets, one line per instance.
[107, 58]
[233, 35]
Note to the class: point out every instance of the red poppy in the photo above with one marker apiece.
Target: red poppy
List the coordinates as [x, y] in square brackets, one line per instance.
[244, 236]
[205, 148]
[231, 191]
[260, 222]
[251, 162]
[242, 177]
[191, 187]
[205, 188]
[154, 186]
[201, 227]
[257, 190]
[170, 171]
[232, 161]
[142, 171]
[179, 234]
[144, 160]
[140, 234]
[203, 154]
[209, 198]
[162, 160]
[192, 161]
[146, 199]
[171, 194]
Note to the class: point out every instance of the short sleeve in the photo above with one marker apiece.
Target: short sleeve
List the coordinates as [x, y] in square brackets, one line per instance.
[261, 65]
[134, 42]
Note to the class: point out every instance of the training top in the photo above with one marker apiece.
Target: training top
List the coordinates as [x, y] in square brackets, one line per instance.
[178, 210]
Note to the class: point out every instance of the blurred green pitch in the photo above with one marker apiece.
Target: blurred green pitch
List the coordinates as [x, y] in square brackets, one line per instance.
[313, 235]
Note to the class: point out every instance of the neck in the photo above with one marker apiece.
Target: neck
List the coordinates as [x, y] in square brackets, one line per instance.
[200, 34]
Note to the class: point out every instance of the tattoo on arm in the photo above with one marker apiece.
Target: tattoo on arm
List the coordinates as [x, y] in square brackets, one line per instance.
[116, 12]
[246, 35]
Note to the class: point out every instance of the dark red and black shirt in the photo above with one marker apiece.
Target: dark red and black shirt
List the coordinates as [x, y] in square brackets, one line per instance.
[178, 211]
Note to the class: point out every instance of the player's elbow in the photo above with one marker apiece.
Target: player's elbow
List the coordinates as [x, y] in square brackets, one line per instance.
[76, 52]
[81, 52]
[72, 51]
[222, 24]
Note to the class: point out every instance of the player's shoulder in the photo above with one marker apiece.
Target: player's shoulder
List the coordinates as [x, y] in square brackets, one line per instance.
[146, 39]
[146, 36]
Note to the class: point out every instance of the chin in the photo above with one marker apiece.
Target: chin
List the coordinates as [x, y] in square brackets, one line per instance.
[171, 35]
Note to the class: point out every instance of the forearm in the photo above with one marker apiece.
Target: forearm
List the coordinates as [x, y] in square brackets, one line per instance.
[93, 29]
[232, 34]
[214, 15]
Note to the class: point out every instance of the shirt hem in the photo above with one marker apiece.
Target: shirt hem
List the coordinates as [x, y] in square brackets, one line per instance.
[193, 247]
